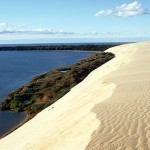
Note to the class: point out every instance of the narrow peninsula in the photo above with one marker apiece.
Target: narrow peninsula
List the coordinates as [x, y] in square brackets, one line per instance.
[46, 89]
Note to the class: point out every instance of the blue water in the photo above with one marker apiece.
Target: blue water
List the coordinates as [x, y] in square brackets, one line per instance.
[18, 68]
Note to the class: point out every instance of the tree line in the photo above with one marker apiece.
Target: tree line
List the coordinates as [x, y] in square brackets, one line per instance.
[86, 47]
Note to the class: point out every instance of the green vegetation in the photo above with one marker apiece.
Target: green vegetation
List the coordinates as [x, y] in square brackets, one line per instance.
[86, 47]
[46, 89]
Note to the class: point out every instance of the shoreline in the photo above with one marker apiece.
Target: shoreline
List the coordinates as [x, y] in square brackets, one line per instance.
[93, 83]
[50, 51]
[28, 117]
[16, 127]
[109, 109]
[84, 47]
[95, 123]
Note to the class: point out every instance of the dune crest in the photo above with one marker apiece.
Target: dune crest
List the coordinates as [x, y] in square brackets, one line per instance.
[108, 110]
[125, 115]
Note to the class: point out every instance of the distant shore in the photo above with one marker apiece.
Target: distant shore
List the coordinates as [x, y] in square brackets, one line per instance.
[81, 47]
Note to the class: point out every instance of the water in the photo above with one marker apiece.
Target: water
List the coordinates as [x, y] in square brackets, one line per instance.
[9, 120]
[18, 68]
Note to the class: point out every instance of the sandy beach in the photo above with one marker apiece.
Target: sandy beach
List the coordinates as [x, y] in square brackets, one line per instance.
[109, 110]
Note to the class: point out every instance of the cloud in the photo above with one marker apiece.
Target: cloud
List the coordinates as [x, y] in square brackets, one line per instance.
[125, 10]
[104, 13]
[6, 29]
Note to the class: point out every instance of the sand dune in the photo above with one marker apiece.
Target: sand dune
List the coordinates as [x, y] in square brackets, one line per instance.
[125, 116]
[109, 110]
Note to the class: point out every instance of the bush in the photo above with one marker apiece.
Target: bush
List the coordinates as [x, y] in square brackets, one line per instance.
[35, 108]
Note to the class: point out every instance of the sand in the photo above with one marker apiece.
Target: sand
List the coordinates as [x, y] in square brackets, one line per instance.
[109, 110]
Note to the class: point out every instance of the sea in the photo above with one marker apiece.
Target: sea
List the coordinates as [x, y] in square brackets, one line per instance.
[17, 68]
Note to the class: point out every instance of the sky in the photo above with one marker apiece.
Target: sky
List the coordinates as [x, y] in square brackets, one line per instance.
[65, 21]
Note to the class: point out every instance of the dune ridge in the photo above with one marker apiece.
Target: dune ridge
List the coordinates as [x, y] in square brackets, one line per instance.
[124, 117]
[99, 112]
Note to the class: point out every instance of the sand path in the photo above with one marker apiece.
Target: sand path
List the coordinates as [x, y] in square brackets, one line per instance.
[92, 113]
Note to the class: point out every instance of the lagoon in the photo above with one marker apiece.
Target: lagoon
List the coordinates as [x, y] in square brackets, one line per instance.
[19, 67]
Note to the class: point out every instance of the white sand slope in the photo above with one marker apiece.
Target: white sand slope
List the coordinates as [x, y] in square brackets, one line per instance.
[125, 116]
[109, 110]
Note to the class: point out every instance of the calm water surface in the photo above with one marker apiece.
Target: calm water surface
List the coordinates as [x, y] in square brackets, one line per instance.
[18, 68]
